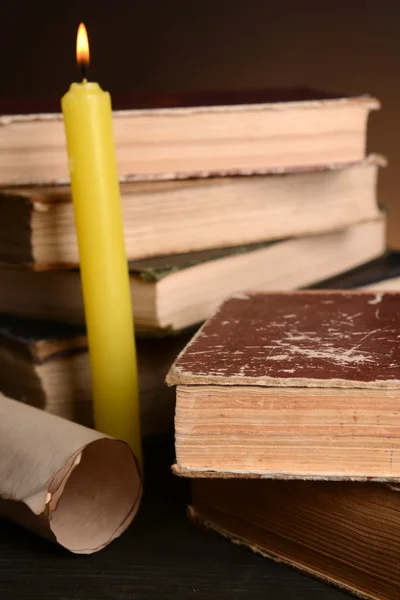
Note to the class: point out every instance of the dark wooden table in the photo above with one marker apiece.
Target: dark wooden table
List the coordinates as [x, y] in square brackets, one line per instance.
[161, 557]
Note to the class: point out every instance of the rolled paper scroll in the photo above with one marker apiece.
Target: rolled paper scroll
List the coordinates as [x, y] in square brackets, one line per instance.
[72, 485]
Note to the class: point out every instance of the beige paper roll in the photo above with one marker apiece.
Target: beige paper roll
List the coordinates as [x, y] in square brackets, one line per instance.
[71, 484]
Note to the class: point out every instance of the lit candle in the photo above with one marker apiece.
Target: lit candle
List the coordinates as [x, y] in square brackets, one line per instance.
[103, 263]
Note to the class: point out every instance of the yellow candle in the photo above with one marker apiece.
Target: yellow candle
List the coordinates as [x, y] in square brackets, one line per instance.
[103, 263]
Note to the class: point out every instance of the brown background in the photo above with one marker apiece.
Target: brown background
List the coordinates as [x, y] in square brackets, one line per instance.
[177, 45]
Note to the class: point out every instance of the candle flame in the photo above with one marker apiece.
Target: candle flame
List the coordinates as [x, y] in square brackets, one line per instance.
[82, 47]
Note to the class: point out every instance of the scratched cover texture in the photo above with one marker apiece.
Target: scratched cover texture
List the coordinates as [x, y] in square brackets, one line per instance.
[307, 339]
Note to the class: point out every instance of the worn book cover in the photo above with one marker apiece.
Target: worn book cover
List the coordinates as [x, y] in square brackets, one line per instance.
[317, 372]
[304, 339]
[344, 533]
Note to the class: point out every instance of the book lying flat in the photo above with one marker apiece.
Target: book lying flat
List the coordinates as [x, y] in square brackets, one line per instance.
[236, 132]
[47, 366]
[347, 534]
[382, 273]
[292, 384]
[175, 292]
[37, 225]
[391, 284]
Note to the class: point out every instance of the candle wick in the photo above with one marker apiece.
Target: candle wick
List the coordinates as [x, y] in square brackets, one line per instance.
[84, 72]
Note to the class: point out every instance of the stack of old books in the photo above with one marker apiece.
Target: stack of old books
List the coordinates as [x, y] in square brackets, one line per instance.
[287, 419]
[268, 191]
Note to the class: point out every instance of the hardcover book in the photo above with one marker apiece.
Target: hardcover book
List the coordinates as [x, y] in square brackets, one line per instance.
[296, 384]
[382, 273]
[347, 534]
[46, 365]
[175, 292]
[37, 224]
[201, 135]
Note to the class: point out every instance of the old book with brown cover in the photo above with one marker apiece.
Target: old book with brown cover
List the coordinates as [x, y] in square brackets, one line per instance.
[200, 135]
[175, 292]
[46, 365]
[37, 224]
[297, 384]
[345, 533]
